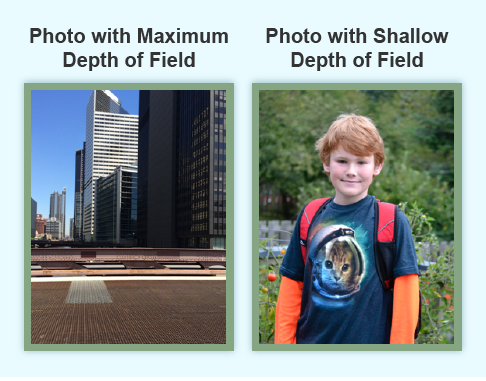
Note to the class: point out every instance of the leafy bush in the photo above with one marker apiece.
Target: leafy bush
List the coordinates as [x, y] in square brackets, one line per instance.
[436, 284]
[268, 292]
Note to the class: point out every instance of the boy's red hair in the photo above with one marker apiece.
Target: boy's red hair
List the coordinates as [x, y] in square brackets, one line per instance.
[356, 134]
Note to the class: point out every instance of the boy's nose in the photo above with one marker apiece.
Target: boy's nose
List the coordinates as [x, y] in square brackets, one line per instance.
[351, 170]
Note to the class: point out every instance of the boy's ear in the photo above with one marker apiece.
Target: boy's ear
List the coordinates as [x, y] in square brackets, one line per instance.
[327, 168]
[378, 169]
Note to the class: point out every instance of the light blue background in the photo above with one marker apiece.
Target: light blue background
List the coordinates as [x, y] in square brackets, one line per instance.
[246, 59]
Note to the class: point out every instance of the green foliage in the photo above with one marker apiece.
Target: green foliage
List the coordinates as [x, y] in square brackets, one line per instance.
[417, 128]
[436, 284]
[268, 293]
[437, 287]
[437, 133]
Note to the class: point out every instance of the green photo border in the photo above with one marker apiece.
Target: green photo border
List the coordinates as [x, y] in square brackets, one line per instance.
[457, 87]
[229, 87]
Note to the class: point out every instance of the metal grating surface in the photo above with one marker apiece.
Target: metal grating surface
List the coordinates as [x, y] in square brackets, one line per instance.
[142, 312]
[93, 291]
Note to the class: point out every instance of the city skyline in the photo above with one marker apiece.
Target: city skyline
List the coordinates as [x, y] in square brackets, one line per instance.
[58, 130]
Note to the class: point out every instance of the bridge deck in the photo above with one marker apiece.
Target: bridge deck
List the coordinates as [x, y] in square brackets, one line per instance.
[129, 312]
[131, 258]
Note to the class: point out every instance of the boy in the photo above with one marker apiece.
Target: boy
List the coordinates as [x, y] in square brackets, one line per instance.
[336, 297]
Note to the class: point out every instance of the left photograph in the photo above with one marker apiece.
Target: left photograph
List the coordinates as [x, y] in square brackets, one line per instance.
[130, 237]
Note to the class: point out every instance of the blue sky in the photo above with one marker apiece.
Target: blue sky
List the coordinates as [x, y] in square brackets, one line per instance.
[58, 129]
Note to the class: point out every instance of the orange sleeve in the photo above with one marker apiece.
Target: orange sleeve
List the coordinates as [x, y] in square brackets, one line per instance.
[288, 311]
[405, 309]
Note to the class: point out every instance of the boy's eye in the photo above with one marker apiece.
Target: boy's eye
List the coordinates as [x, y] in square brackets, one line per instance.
[328, 264]
[345, 267]
[341, 161]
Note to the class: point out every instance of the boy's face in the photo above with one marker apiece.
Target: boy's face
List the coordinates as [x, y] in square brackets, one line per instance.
[351, 175]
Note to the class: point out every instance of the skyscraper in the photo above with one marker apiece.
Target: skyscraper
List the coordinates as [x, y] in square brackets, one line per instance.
[111, 140]
[33, 217]
[57, 210]
[78, 194]
[182, 169]
[116, 205]
[71, 228]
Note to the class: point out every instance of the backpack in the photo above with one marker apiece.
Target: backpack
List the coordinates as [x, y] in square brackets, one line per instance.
[384, 242]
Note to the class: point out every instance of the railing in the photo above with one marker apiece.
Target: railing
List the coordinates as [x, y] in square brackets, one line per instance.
[128, 260]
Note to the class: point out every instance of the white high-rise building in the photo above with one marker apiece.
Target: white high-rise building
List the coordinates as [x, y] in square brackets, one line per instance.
[111, 140]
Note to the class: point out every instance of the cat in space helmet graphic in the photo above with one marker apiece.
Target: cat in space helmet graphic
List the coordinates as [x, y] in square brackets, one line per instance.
[338, 265]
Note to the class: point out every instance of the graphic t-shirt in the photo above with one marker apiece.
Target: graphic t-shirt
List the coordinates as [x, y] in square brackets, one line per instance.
[343, 301]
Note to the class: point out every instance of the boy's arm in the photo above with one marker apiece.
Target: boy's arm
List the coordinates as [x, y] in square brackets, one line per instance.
[288, 311]
[405, 309]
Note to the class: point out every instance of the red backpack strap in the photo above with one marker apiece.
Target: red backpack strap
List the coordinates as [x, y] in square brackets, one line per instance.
[385, 249]
[306, 220]
[386, 222]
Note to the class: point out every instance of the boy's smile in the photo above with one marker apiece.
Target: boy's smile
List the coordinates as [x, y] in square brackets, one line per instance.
[351, 175]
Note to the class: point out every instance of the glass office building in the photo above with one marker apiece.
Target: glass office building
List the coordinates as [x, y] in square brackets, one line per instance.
[57, 210]
[182, 169]
[33, 217]
[116, 205]
[111, 140]
[78, 194]
[71, 228]
[201, 169]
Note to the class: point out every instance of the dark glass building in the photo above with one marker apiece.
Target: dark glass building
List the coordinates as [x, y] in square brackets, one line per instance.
[33, 217]
[182, 169]
[71, 228]
[116, 205]
[78, 194]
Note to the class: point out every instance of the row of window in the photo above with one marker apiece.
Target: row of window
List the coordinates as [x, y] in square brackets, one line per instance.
[202, 227]
[107, 115]
[219, 214]
[108, 140]
[123, 133]
[200, 216]
[112, 161]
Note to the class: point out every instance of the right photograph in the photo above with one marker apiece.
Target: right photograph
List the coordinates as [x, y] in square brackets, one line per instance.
[357, 235]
